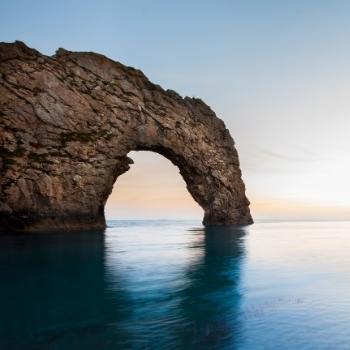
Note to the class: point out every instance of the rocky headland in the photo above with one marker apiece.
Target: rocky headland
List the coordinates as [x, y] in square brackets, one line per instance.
[67, 123]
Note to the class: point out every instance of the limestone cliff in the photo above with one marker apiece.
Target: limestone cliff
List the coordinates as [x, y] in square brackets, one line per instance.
[67, 123]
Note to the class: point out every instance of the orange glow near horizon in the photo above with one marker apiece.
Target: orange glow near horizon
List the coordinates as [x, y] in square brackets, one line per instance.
[279, 209]
[154, 189]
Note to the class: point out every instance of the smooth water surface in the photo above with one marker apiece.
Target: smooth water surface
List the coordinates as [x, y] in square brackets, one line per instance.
[176, 285]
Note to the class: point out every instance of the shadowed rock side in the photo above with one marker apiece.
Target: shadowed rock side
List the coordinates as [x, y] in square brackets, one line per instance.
[67, 123]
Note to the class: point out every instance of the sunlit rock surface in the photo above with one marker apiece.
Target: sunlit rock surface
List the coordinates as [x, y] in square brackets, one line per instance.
[67, 123]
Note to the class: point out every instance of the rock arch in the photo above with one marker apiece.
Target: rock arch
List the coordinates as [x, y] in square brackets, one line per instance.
[67, 123]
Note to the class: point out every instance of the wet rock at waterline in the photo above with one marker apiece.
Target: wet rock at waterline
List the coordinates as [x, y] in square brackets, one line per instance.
[67, 123]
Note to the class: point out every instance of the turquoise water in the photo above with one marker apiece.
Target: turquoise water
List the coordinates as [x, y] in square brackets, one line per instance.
[176, 285]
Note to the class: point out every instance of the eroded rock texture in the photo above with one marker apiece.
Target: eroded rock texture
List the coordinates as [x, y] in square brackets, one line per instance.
[67, 123]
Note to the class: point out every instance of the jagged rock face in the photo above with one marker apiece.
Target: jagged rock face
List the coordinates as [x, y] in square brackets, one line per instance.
[67, 123]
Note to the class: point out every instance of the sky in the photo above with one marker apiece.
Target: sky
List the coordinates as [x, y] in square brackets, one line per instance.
[277, 73]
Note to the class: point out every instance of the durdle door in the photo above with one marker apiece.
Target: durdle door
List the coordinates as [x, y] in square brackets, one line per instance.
[67, 123]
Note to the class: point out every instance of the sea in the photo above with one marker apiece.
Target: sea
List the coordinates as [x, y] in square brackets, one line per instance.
[177, 285]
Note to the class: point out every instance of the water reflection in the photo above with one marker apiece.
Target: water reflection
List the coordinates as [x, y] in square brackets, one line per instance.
[186, 298]
[162, 285]
[115, 290]
[211, 300]
[54, 292]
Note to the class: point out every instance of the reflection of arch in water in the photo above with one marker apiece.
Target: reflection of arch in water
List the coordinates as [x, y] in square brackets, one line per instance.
[210, 302]
[200, 307]
[80, 294]
[64, 297]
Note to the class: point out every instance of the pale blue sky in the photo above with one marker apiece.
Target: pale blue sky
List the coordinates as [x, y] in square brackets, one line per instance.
[277, 73]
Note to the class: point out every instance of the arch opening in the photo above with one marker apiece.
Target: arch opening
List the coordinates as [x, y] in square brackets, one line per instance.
[152, 189]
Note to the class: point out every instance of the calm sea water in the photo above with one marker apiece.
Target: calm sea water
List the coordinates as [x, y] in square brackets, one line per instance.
[176, 285]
